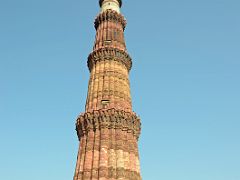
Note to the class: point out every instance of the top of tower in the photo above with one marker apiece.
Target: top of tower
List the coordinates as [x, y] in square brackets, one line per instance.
[101, 1]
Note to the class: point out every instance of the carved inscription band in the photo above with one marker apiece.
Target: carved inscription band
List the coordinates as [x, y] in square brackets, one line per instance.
[110, 118]
[111, 54]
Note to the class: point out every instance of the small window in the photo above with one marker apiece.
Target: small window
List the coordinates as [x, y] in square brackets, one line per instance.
[107, 42]
[105, 102]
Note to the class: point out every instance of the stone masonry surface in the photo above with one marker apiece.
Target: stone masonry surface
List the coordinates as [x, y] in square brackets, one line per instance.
[108, 130]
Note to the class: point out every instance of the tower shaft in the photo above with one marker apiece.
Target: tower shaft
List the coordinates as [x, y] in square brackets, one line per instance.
[108, 131]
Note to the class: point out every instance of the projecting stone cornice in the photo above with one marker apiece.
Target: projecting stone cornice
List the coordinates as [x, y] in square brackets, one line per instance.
[110, 119]
[110, 15]
[112, 54]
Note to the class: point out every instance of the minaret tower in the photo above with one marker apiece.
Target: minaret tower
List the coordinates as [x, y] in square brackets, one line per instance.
[108, 131]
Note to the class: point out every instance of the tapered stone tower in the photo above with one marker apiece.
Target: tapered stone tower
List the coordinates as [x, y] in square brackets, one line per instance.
[108, 131]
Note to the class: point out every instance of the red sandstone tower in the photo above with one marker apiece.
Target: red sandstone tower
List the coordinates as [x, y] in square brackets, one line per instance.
[108, 131]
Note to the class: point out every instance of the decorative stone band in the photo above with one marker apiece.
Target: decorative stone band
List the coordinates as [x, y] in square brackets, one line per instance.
[110, 15]
[109, 53]
[101, 1]
[110, 119]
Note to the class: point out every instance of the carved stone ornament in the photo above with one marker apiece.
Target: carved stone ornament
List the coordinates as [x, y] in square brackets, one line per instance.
[110, 54]
[110, 15]
[111, 119]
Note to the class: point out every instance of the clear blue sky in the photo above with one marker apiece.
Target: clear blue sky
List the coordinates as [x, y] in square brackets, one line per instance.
[185, 85]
